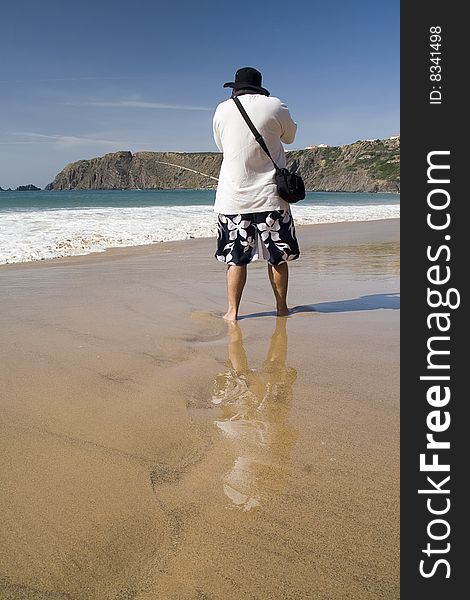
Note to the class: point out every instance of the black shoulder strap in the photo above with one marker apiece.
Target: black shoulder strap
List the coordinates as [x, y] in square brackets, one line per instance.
[256, 133]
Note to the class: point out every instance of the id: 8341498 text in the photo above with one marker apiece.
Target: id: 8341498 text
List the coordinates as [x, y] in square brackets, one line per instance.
[435, 67]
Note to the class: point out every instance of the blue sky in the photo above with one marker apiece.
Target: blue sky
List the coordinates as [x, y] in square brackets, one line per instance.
[78, 80]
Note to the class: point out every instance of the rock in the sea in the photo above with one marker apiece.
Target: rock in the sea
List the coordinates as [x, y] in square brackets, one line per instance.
[365, 166]
[27, 188]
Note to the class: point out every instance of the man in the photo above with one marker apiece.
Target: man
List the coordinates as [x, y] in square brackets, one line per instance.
[253, 220]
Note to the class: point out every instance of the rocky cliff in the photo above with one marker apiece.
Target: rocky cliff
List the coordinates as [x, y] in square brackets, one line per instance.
[365, 166]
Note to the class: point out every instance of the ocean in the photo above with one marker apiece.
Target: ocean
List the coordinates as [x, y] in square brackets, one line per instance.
[50, 224]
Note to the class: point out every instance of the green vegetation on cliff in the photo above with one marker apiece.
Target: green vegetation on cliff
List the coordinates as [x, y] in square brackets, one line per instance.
[365, 166]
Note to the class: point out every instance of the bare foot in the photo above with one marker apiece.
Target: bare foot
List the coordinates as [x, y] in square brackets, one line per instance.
[230, 316]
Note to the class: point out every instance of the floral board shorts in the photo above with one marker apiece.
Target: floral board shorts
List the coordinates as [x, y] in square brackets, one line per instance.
[247, 237]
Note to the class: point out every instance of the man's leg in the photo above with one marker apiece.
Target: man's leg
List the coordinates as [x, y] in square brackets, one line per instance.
[236, 279]
[279, 278]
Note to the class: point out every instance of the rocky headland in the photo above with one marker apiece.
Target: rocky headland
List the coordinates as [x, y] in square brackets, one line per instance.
[365, 166]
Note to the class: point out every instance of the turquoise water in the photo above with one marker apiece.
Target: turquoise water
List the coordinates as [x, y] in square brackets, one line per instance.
[80, 199]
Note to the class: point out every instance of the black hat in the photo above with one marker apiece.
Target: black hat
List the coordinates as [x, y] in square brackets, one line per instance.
[247, 78]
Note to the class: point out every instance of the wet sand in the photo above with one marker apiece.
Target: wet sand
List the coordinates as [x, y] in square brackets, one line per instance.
[149, 451]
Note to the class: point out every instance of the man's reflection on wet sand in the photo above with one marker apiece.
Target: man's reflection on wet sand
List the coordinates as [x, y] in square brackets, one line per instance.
[255, 409]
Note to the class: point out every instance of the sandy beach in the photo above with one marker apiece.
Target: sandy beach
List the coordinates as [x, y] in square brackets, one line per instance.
[149, 451]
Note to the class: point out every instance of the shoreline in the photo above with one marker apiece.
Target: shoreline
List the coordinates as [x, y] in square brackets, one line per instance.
[166, 246]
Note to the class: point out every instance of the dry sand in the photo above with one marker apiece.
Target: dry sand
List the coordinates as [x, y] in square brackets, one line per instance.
[151, 452]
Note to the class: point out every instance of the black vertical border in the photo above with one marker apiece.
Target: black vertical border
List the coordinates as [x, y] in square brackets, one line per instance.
[426, 128]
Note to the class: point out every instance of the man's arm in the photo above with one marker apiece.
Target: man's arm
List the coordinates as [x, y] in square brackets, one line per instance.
[215, 130]
[288, 125]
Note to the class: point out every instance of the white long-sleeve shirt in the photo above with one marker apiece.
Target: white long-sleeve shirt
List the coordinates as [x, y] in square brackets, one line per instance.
[246, 180]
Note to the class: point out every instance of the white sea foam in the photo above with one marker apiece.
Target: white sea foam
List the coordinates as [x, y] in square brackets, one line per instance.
[37, 235]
